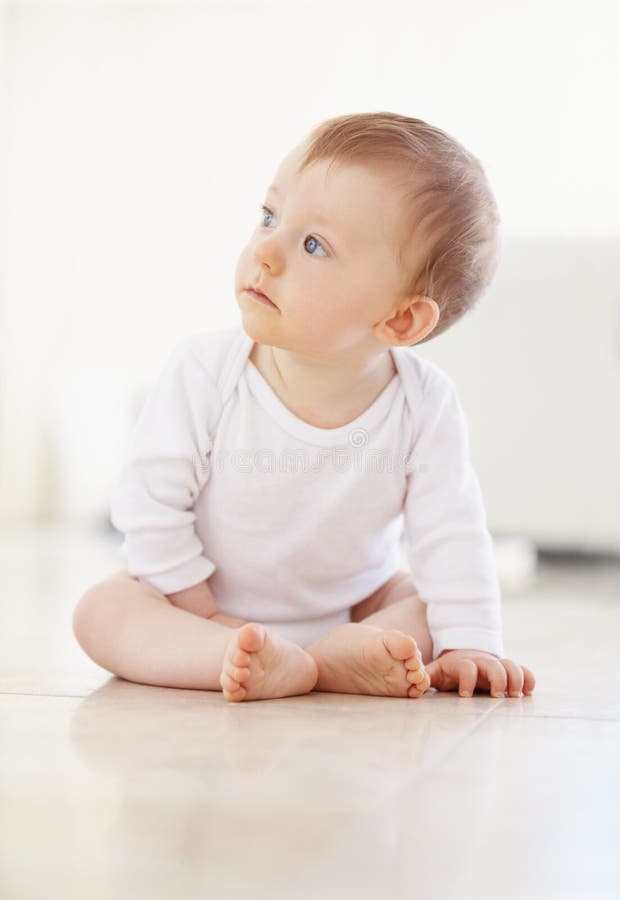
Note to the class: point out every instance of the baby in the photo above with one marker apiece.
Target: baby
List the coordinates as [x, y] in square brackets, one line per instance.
[276, 465]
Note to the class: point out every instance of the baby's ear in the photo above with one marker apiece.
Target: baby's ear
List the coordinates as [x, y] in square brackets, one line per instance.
[412, 322]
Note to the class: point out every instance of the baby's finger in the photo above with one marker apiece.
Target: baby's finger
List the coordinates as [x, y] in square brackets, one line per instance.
[515, 677]
[467, 677]
[495, 673]
[529, 682]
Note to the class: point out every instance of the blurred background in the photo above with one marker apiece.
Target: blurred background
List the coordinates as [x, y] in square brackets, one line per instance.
[137, 140]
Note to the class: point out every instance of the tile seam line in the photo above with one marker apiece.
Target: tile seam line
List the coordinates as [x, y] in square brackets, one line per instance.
[482, 717]
[438, 762]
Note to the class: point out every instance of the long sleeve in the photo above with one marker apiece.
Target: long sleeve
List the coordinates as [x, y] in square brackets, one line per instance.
[449, 547]
[169, 462]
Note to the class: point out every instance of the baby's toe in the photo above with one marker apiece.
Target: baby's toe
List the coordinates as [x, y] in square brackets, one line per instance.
[251, 637]
[236, 696]
[239, 657]
[231, 687]
[415, 692]
[400, 645]
[237, 673]
[421, 682]
[228, 684]
[414, 661]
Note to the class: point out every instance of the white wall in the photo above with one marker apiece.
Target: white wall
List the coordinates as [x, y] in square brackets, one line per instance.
[142, 137]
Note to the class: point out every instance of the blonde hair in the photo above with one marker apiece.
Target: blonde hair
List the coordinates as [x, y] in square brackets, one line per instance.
[448, 207]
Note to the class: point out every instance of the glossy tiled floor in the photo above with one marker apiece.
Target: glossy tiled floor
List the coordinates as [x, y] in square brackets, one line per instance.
[114, 790]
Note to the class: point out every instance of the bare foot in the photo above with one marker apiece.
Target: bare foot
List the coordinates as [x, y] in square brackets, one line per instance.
[358, 659]
[261, 665]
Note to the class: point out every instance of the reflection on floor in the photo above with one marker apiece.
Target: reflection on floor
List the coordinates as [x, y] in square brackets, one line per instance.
[114, 790]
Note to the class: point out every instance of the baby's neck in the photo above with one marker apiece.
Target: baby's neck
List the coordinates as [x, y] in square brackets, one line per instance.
[323, 392]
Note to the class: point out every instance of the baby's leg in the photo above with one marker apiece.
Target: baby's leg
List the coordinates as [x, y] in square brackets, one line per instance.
[132, 630]
[381, 651]
[396, 604]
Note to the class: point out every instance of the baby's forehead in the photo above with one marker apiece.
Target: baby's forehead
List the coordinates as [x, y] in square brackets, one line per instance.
[362, 200]
[363, 187]
[295, 166]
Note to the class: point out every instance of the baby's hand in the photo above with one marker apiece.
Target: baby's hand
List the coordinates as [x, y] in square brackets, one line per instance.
[466, 670]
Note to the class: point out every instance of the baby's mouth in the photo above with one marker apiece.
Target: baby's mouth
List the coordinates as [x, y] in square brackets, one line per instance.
[262, 298]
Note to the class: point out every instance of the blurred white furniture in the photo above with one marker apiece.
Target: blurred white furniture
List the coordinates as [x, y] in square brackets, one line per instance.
[537, 365]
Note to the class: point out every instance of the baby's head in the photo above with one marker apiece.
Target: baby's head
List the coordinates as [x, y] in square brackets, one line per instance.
[381, 229]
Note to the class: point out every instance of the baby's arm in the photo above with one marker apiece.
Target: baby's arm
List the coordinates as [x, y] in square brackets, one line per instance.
[450, 550]
[451, 557]
[200, 600]
[168, 465]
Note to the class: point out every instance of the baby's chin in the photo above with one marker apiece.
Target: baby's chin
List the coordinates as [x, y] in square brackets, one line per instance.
[256, 321]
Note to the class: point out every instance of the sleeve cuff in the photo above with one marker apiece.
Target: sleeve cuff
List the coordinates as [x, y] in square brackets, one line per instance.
[184, 576]
[467, 639]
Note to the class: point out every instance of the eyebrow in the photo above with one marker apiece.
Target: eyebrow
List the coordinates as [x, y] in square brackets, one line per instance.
[321, 219]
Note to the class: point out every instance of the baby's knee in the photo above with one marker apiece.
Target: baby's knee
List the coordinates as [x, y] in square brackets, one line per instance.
[399, 586]
[98, 610]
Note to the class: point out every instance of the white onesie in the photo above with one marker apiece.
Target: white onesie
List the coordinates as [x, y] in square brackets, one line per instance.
[294, 524]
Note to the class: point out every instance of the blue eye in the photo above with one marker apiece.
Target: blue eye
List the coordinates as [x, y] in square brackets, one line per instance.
[267, 212]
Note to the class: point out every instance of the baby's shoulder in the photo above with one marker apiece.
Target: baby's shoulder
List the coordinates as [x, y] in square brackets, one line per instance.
[423, 380]
[217, 352]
